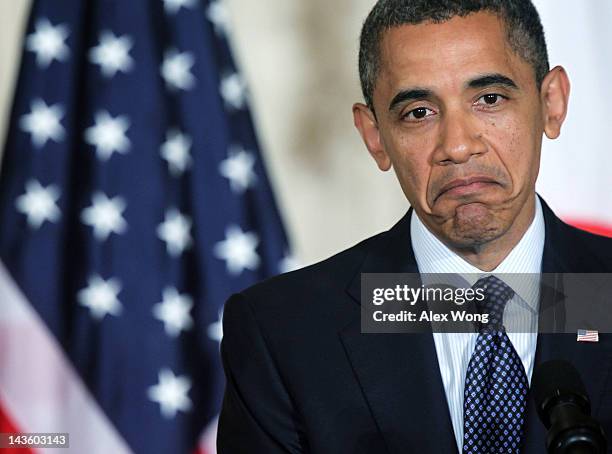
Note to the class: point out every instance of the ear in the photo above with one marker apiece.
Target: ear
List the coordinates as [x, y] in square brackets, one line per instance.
[366, 123]
[554, 95]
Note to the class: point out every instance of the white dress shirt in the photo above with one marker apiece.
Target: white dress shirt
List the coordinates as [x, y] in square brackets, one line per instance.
[454, 350]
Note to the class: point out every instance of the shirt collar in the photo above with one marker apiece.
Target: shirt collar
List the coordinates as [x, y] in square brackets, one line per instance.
[524, 261]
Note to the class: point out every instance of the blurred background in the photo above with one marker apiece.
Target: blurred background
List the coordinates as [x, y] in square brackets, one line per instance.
[299, 61]
[299, 58]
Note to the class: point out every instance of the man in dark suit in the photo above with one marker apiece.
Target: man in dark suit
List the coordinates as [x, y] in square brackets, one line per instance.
[458, 96]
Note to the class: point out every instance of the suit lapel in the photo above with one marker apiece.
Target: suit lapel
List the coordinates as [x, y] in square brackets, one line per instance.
[399, 373]
[400, 378]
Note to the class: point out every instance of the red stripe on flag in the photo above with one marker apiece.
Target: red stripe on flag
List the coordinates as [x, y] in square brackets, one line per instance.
[593, 227]
[7, 426]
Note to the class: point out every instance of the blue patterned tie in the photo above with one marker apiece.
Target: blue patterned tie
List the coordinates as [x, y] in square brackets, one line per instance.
[496, 384]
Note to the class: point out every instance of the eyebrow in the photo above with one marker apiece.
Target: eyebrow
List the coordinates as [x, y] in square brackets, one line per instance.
[485, 80]
[492, 79]
[412, 94]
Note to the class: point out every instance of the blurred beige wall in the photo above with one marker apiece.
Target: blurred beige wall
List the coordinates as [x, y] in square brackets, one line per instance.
[13, 16]
[300, 58]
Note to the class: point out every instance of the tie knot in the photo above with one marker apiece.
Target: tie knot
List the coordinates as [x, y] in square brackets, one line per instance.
[496, 294]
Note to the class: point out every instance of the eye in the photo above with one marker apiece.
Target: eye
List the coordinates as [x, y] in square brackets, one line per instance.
[490, 99]
[418, 114]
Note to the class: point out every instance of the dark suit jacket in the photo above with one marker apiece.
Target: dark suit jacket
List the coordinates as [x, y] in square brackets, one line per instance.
[301, 378]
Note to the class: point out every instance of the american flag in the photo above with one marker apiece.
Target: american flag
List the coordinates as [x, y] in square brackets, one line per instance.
[133, 201]
[586, 335]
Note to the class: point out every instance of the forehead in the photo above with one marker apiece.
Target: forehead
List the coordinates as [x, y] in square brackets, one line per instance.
[447, 54]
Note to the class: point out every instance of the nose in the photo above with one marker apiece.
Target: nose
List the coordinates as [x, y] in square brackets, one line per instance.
[459, 139]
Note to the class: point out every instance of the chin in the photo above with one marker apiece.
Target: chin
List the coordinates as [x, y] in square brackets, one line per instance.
[474, 237]
[474, 225]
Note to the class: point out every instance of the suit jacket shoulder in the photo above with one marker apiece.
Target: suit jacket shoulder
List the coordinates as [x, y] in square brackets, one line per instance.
[570, 250]
[389, 251]
[598, 248]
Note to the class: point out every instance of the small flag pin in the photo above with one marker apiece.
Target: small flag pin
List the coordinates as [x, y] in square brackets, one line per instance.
[587, 335]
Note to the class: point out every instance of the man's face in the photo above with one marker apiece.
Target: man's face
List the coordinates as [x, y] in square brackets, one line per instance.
[460, 119]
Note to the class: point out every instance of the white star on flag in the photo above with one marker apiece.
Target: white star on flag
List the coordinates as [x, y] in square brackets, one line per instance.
[218, 14]
[171, 393]
[175, 232]
[43, 122]
[173, 311]
[100, 297]
[172, 6]
[176, 70]
[47, 42]
[108, 135]
[215, 330]
[238, 250]
[112, 54]
[175, 150]
[288, 263]
[238, 168]
[38, 203]
[233, 91]
[104, 215]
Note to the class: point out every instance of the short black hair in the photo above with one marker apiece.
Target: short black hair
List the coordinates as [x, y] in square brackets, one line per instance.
[524, 29]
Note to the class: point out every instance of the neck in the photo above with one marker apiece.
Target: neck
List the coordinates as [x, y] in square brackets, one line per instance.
[488, 256]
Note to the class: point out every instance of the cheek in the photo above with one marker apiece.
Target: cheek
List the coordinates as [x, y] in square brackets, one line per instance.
[515, 144]
[413, 168]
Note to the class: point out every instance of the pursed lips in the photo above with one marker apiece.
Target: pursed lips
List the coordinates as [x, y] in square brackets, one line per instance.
[462, 186]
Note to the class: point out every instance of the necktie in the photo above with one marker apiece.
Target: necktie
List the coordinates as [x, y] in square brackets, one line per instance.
[496, 384]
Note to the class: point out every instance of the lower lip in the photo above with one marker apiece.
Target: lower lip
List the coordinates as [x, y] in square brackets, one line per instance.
[469, 188]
